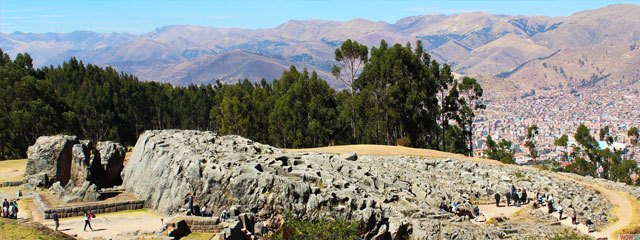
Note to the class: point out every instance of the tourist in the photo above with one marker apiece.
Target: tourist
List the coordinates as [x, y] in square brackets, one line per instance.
[222, 216]
[508, 198]
[203, 211]
[589, 224]
[87, 221]
[574, 215]
[476, 213]
[190, 205]
[13, 210]
[454, 206]
[5, 208]
[497, 196]
[523, 198]
[560, 211]
[516, 198]
[539, 199]
[443, 207]
[550, 203]
[56, 220]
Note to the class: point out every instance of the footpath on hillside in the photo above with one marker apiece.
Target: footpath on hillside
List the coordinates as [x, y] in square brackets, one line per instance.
[624, 206]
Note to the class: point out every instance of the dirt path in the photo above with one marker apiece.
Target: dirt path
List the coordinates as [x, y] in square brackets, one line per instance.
[491, 211]
[110, 225]
[623, 211]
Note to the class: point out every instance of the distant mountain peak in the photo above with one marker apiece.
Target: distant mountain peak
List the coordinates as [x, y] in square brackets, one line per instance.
[528, 52]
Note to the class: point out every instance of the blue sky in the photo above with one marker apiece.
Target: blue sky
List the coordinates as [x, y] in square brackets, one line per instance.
[138, 16]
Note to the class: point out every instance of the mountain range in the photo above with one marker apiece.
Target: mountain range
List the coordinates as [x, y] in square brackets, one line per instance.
[598, 47]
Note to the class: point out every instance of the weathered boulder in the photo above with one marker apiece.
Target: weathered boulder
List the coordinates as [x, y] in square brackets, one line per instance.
[78, 165]
[67, 159]
[87, 192]
[50, 156]
[111, 161]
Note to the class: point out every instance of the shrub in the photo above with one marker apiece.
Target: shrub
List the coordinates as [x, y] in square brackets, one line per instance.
[404, 141]
[569, 234]
[296, 228]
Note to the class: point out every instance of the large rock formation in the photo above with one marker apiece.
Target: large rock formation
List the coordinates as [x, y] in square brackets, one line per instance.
[111, 162]
[49, 160]
[392, 196]
[78, 166]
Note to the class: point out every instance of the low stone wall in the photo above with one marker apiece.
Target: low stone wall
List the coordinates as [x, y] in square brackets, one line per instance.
[96, 208]
[11, 183]
[203, 224]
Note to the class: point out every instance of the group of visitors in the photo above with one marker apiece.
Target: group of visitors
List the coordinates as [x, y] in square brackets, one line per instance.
[453, 208]
[10, 209]
[519, 197]
[87, 220]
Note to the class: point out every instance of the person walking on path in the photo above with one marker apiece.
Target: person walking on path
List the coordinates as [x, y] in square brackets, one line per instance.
[87, 221]
[508, 199]
[497, 196]
[560, 211]
[56, 220]
[523, 198]
[550, 203]
[516, 199]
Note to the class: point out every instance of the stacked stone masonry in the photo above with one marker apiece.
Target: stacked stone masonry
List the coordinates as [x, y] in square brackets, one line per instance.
[98, 208]
[203, 224]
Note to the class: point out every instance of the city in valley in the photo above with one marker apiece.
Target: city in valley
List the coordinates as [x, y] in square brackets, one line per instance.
[559, 112]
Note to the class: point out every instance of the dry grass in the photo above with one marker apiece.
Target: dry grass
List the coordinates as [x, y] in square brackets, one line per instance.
[634, 226]
[11, 229]
[12, 170]
[199, 236]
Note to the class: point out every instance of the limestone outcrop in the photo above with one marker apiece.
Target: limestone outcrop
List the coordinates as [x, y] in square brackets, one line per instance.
[75, 168]
[392, 196]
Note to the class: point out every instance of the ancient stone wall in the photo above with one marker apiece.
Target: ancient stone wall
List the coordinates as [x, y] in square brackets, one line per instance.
[203, 224]
[97, 208]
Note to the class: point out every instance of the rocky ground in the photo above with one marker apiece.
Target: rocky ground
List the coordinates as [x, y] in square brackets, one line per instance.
[392, 196]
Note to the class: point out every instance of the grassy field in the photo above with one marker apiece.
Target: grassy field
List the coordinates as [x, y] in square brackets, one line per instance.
[11, 229]
[12, 170]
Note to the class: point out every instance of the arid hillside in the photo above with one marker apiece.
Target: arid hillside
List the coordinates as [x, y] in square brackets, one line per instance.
[599, 47]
